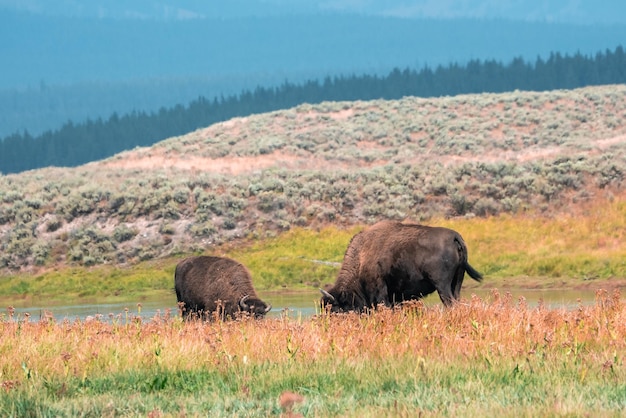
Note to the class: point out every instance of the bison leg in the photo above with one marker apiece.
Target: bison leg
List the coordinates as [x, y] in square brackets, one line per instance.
[459, 275]
[447, 298]
[378, 294]
[444, 289]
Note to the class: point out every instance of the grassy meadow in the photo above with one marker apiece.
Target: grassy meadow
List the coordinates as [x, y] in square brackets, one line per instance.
[492, 357]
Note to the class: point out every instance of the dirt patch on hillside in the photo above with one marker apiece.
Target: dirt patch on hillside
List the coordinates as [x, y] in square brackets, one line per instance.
[236, 165]
[225, 165]
[609, 142]
[230, 165]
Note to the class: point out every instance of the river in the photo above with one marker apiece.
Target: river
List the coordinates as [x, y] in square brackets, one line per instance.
[295, 304]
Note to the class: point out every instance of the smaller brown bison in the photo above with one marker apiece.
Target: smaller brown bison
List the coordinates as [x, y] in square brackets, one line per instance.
[392, 262]
[207, 286]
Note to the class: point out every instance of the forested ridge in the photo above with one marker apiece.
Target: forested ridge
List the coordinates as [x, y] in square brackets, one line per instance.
[78, 143]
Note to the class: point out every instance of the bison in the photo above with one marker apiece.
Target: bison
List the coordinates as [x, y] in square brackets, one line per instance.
[392, 262]
[208, 285]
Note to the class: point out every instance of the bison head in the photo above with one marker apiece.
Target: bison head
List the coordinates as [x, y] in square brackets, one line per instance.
[254, 306]
[339, 301]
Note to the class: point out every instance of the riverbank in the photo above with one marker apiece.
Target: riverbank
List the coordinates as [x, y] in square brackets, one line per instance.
[285, 303]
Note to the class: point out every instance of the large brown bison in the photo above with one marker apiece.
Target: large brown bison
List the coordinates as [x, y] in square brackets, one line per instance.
[215, 286]
[392, 262]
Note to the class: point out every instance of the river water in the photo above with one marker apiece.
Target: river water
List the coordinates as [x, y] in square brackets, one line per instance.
[294, 304]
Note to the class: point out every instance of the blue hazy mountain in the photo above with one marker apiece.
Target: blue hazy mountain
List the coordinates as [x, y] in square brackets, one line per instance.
[66, 50]
[65, 59]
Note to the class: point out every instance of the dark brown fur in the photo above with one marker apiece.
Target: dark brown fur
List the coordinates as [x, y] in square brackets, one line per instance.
[392, 262]
[207, 285]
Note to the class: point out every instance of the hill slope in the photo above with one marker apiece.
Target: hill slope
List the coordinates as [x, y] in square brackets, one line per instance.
[341, 163]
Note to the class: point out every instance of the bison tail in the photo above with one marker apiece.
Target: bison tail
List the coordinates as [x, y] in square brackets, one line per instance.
[473, 273]
[463, 254]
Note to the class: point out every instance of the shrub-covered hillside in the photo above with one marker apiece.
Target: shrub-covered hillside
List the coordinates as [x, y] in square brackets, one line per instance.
[340, 163]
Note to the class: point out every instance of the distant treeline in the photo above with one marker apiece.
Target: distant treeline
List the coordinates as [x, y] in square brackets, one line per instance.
[78, 143]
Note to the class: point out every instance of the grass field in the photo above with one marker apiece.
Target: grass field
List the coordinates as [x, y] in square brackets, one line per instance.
[488, 357]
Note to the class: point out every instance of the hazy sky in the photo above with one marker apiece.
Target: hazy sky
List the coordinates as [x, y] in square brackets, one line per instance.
[120, 55]
[570, 11]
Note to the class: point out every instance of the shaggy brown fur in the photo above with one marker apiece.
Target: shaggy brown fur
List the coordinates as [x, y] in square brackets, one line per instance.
[206, 285]
[392, 262]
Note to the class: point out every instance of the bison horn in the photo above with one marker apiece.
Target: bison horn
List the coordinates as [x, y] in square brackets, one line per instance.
[269, 307]
[328, 295]
[242, 302]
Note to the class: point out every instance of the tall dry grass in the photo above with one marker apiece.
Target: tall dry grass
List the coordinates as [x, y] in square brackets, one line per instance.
[494, 349]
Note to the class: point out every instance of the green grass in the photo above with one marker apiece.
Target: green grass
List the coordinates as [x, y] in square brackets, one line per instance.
[295, 259]
[403, 387]
[73, 283]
